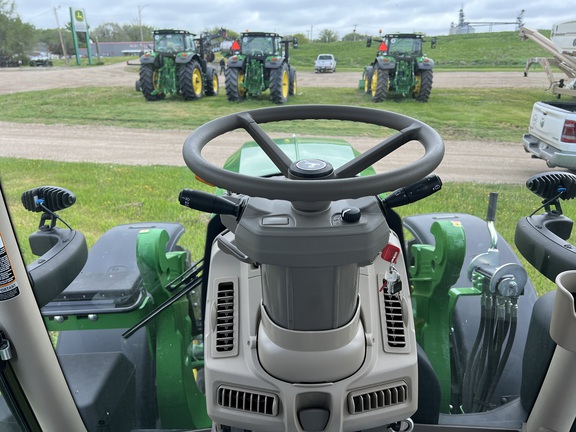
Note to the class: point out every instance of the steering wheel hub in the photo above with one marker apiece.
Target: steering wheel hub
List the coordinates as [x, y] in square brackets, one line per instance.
[310, 169]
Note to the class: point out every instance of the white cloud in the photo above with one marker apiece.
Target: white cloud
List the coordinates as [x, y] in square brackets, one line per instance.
[301, 16]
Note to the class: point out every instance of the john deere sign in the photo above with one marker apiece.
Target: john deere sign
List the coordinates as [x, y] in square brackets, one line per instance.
[79, 20]
[80, 25]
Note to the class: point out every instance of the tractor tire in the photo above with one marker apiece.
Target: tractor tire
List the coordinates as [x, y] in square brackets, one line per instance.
[149, 82]
[293, 86]
[425, 88]
[380, 83]
[235, 91]
[279, 84]
[212, 83]
[368, 80]
[210, 56]
[190, 80]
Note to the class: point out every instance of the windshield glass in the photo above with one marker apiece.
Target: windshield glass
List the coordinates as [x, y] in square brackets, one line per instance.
[405, 45]
[169, 43]
[258, 45]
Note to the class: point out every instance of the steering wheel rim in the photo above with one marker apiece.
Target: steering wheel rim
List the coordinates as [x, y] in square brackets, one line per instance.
[345, 185]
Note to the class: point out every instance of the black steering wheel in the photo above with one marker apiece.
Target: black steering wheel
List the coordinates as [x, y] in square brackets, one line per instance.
[342, 183]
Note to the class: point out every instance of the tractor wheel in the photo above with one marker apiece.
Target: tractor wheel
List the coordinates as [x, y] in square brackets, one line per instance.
[235, 90]
[379, 84]
[423, 90]
[212, 83]
[279, 84]
[210, 56]
[368, 80]
[293, 86]
[190, 80]
[149, 82]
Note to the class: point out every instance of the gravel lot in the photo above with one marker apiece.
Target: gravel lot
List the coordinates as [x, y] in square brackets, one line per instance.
[491, 162]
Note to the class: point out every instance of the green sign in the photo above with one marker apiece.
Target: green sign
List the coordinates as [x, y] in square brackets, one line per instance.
[79, 20]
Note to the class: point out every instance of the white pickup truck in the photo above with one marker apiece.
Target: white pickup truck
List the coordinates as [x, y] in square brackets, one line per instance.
[325, 63]
[552, 134]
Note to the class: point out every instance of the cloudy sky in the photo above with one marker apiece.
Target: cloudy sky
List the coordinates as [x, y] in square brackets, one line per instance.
[308, 17]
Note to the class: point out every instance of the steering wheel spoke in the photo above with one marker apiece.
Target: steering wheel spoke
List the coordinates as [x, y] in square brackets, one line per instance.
[381, 150]
[276, 155]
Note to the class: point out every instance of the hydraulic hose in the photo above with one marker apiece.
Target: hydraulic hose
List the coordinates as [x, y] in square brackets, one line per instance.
[513, 321]
[468, 383]
[501, 329]
[480, 365]
[497, 338]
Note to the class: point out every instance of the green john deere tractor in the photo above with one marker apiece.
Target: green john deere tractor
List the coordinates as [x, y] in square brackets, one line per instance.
[400, 68]
[176, 65]
[258, 62]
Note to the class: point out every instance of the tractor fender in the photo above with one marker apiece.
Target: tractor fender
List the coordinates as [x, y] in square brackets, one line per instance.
[183, 58]
[148, 59]
[273, 62]
[424, 63]
[387, 63]
[237, 61]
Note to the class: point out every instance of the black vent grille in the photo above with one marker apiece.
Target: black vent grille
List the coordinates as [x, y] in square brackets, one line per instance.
[373, 399]
[395, 331]
[225, 340]
[249, 401]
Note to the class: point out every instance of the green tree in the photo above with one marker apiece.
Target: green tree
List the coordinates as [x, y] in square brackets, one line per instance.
[133, 32]
[107, 32]
[302, 38]
[16, 37]
[353, 37]
[114, 32]
[327, 35]
[51, 38]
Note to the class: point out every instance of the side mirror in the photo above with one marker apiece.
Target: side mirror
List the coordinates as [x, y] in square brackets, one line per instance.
[295, 42]
[368, 41]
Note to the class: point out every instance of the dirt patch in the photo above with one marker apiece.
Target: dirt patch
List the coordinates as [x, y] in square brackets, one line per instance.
[491, 162]
[13, 80]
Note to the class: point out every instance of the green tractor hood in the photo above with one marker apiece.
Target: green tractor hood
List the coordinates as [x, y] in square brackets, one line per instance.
[250, 159]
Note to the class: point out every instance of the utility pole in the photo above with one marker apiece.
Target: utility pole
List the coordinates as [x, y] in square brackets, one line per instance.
[140, 21]
[354, 31]
[62, 44]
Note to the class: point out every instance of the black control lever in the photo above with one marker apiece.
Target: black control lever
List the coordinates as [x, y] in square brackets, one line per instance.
[207, 202]
[415, 192]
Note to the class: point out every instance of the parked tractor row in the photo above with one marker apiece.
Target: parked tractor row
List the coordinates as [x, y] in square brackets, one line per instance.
[260, 61]
[178, 64]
